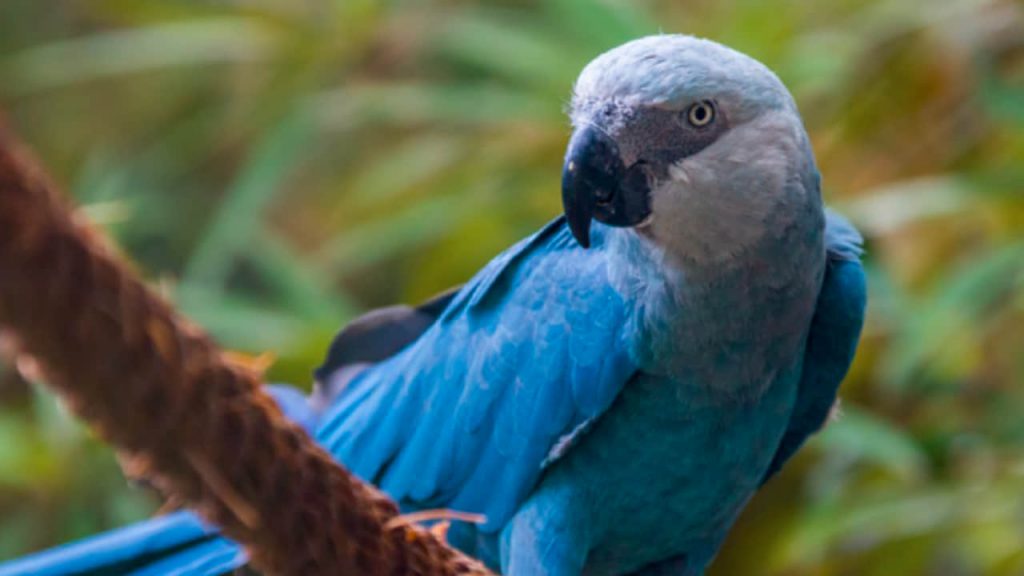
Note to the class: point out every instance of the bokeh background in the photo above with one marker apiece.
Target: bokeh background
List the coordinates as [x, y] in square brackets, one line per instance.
[277, 166]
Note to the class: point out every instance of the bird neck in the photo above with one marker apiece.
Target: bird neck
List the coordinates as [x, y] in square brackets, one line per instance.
[721, 324]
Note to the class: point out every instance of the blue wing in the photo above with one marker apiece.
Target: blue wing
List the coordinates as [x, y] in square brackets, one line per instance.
[832, 340]
[530, 349]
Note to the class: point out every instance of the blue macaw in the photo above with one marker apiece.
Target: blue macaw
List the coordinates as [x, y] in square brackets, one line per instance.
[610, 392]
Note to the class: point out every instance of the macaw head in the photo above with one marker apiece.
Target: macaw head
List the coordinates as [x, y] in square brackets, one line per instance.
[689, 144]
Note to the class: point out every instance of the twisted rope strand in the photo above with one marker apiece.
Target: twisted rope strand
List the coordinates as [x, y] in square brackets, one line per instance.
[180, 413]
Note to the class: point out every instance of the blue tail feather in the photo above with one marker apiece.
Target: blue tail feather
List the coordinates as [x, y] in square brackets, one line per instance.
[211, 557]
[177, 544]
[149, 547]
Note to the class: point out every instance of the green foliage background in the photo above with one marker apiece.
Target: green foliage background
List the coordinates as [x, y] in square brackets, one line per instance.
[276, 166]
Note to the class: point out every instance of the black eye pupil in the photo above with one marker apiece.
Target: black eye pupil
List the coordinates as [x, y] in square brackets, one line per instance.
[700, 114]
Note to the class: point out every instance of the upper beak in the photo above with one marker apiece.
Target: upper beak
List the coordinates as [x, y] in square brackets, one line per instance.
[597, 185]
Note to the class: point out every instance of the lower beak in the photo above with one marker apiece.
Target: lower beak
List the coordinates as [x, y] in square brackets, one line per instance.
[596, 185]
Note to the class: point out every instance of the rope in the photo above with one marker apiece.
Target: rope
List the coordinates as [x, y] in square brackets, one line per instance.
[198, 426]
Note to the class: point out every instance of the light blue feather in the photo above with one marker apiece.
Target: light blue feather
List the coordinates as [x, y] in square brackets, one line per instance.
[121, 551]
[466, 416]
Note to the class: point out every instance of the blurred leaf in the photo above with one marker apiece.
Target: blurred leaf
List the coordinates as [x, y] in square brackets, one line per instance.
[22, 458]
[403, 103]
[120, 52]
[420, 159]
[945, 341]
[1002, 93]
[600, 25]
[402, 231]
[299, 287]
[864, 437]
[896, 205]
[239, 215]
[524, 54]
[241, 323]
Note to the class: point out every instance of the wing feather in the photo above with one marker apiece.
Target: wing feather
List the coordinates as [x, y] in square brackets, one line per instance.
[832, 341]
[464, 417]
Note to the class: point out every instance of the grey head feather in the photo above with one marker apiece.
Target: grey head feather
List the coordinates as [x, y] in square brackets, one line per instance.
[672, 70]
[738, 188]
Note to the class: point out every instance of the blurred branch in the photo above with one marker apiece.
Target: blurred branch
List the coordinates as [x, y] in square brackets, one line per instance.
[181, 413]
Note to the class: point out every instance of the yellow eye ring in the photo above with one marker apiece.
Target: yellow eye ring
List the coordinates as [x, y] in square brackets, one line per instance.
[701, 114]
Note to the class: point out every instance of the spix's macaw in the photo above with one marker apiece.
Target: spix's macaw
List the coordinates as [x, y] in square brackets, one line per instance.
[611, 391]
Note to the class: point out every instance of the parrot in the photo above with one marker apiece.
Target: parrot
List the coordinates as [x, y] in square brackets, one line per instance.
[610, 392]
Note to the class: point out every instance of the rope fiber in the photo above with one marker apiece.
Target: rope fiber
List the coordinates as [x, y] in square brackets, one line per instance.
[181, 414]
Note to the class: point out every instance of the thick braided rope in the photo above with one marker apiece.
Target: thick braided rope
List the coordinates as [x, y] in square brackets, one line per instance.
[199, 427]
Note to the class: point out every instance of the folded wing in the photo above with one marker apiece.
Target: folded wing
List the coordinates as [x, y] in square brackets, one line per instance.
[531, 348]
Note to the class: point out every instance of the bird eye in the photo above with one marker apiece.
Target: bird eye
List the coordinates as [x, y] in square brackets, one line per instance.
[701, 114]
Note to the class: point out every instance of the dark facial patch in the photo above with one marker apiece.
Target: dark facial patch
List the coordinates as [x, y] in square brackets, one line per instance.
[661, 137]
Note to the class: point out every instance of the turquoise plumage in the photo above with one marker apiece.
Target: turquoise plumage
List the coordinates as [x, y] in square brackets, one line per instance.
[610, 392]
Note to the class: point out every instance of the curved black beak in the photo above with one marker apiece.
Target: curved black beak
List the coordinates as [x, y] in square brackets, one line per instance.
[597, 185]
